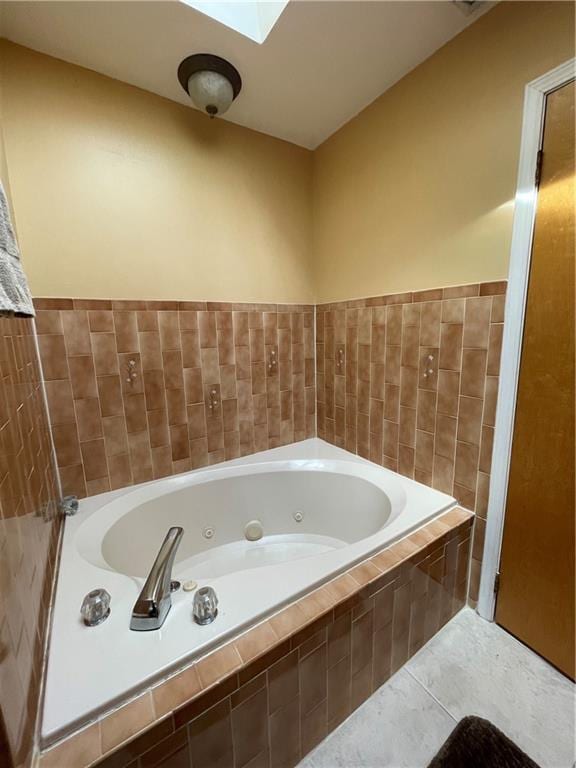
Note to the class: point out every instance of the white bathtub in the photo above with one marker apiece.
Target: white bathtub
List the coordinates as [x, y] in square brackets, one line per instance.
[349, 508]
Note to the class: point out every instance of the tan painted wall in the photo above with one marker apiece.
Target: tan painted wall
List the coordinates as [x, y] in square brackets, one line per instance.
[119, 193]
[3, 164]
[417, 191]
[3, 158]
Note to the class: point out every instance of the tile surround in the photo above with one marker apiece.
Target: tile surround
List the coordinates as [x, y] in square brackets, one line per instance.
[367, 389]
[129, 385]
[270, 695]
[363, 388]
[29, 535]
[377, 397]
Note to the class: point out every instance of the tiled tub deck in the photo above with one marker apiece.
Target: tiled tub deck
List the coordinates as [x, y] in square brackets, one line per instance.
[266, 698]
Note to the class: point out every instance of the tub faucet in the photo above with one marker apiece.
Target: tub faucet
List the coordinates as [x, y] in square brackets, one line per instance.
[154, 601]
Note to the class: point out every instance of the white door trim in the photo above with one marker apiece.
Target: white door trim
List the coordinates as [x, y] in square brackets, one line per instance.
[520, 252]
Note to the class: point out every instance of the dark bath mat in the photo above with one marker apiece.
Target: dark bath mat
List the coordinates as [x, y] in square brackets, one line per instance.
[476, 743]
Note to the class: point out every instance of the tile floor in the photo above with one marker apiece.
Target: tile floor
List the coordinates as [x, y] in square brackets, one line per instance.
[471, 667]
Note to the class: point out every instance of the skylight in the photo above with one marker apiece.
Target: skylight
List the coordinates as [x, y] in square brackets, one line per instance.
[253, 19]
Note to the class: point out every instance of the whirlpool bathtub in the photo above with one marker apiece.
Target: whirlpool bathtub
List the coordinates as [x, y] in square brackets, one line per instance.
[320, 509]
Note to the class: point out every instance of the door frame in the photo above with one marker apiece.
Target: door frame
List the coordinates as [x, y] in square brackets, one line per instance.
[520, 255]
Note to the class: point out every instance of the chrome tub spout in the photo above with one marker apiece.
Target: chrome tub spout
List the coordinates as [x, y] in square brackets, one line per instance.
[154, 601]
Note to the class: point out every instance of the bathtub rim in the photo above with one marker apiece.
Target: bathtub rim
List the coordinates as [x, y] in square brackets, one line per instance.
[311, 449]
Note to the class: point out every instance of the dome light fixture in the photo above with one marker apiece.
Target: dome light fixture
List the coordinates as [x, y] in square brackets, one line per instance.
[211, 82]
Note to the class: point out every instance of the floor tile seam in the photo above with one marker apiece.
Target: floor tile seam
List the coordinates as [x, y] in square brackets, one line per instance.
[432, 696]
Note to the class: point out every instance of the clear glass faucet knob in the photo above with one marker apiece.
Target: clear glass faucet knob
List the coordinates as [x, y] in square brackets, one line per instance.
[205, 606]
[95, 607]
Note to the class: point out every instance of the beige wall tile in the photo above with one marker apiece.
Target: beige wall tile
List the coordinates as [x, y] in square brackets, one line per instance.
[176, 691]
[82, 749]
[178, 356]
[218, 665]
[126, 722]
[254, 642]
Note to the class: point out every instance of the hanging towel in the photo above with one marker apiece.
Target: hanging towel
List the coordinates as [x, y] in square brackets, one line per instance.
[15, 298]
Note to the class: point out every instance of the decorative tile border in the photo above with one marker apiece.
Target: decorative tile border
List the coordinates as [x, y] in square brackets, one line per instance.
[492, 288]
[270, 695]
[410, 381]
[139, 390]
[29, 536]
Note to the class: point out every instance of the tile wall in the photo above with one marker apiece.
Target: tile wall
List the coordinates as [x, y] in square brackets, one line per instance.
[29, 533]
[373, 390]
[410, 381]
[407, 381]
[130, 385]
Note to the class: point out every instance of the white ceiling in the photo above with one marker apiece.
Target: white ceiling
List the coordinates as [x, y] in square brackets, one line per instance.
[322, 63]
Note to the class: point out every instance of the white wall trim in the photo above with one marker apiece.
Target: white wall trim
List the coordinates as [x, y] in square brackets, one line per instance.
[520, 253]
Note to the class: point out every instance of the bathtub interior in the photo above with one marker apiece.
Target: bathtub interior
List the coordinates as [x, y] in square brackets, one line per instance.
[302, 513]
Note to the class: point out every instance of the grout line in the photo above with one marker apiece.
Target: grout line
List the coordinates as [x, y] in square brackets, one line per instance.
[404, 668]
[427, 691]
[460, 375]
[42, 381]
[427, 645]
[92, 355]
[314, 330]
[123, 395]
[75, 400]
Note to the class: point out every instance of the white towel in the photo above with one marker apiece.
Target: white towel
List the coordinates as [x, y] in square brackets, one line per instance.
[15, 298]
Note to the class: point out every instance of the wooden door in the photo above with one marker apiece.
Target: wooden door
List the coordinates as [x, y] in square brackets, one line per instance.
[536, 592]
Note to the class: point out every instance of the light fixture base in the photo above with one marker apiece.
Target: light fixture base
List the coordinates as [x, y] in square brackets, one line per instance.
[202, 62]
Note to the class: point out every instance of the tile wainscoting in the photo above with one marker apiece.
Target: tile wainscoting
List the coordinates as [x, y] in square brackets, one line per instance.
[410, 381]
[268, 696]
[367, 384]
[130, 383]
[29, 536]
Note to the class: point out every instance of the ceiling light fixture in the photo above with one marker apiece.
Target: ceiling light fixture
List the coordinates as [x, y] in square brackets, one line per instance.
[211, 82]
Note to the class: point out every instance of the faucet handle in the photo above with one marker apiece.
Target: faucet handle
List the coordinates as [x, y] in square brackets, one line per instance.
[68, 505]
[95, 607]
[205, 606]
